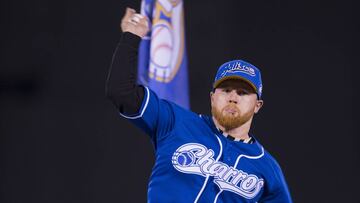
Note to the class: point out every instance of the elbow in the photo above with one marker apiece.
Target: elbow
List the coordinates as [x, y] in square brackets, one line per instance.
[113, 97]
[116, 95]
[109, 92]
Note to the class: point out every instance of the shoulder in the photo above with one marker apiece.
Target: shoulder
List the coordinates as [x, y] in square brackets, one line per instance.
[268, 160]
[270, 166]
[179, 110]
[175, 108]
[272, 162]
[172, 109]
[276, 183]
[274, 171]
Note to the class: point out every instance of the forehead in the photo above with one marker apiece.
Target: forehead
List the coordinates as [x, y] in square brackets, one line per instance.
[236, 84]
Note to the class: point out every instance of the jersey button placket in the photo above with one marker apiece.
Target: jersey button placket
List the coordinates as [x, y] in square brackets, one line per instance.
[227, 154]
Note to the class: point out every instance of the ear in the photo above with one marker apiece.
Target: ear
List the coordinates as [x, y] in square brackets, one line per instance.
[211, 96]
[258, 105]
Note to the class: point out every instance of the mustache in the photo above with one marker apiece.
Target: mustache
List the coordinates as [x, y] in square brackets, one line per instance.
[232, 106]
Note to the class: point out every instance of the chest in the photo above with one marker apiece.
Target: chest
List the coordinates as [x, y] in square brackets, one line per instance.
[199, 151]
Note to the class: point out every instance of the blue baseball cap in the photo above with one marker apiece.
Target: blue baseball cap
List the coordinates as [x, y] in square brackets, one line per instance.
[239, 69]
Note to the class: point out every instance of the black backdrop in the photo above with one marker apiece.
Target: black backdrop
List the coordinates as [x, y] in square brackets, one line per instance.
[62, 140]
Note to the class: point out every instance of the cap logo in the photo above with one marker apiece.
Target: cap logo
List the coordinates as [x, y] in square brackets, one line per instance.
[238, 67]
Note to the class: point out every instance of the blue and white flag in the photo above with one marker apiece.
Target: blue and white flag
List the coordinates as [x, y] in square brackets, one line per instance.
[162, 53]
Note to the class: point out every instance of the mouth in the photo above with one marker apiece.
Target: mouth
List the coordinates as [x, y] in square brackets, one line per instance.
[231, 110]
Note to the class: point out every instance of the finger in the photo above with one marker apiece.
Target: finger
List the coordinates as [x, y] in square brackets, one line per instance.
[135, 18]
[139, 15]
[133, 22]
[144, 21]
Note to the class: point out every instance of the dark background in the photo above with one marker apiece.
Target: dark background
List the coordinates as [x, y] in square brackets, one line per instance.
[63, 141]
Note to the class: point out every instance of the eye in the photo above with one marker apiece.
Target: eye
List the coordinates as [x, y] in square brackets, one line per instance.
[242, 92]
[227, 90]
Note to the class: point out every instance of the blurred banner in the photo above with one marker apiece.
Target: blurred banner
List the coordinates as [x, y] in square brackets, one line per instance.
[162, 53]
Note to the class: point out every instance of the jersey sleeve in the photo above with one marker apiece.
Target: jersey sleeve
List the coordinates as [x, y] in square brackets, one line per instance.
[155, 116]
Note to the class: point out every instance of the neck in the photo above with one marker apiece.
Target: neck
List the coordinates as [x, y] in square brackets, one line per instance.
[241, 132]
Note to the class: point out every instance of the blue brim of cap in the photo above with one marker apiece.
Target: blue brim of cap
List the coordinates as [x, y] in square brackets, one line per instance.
[217, 83]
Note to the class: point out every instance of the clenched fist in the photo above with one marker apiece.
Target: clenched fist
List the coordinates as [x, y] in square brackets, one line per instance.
[134, 23]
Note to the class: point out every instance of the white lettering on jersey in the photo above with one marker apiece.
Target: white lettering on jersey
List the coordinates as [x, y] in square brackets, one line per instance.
[194, 158]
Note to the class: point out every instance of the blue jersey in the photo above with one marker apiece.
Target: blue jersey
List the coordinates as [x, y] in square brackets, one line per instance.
[194, 162]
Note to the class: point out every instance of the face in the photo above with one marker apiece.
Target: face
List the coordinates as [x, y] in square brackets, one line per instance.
[234, 103]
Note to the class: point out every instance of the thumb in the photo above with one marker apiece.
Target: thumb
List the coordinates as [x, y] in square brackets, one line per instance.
[129, 12]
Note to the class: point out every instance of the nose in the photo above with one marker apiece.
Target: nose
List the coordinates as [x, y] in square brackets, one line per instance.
[233, 97]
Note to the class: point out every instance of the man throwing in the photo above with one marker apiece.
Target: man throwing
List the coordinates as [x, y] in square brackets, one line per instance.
[198, 158]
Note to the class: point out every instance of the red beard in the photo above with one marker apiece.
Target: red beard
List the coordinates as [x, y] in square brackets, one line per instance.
[230, 117]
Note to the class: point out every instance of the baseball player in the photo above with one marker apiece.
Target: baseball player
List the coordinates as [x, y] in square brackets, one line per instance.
[199, 158]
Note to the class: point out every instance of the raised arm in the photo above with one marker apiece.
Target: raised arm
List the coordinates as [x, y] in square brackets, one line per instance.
[121, 86]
